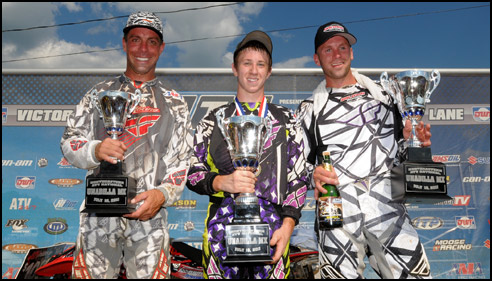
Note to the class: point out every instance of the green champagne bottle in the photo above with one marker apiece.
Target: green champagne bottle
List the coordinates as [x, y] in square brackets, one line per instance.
[329, 204]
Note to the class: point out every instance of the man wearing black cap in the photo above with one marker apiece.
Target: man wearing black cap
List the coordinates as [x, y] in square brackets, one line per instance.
[280, 183]
[351, 116]
[154, 148]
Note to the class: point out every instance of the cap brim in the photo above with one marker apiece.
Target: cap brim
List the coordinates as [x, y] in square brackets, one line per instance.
[128, 28]
[351, 39]
[260, 37]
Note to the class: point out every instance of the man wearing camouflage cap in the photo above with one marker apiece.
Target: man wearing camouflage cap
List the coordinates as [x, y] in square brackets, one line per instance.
[154, 148]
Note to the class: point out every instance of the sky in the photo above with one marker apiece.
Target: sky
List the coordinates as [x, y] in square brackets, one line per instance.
[390, 35]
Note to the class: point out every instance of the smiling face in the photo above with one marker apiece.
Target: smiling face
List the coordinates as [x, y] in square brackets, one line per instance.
[252, 70]
[143, 48]
[335, 57]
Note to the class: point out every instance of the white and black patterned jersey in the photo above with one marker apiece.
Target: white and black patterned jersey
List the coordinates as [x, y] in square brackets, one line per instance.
[356, 128]
[157, 135]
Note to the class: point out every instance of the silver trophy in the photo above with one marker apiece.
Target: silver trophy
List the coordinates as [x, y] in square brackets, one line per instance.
[115, 107]
[411, 90]
[424, 181]
[247, 237]
[109, 192]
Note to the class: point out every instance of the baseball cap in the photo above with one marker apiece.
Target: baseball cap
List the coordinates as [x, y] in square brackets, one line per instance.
[328, 30]
[144, 19]
[259, 36]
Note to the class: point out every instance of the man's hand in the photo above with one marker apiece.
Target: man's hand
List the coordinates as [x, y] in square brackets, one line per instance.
[321, 176]
[237, 182]
[423, 132]
[110, 149]
[153, 200]
[281, 237]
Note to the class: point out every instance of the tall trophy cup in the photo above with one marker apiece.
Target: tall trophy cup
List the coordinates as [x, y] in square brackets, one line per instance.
[247, 237]
[418, 179]
[109, 192]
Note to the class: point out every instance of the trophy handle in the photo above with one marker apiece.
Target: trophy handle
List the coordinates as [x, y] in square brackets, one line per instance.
[222, 123]
[391, 85]
[135, 100]
[95, 102]
[385, 82]
[435, 79]
[388, 86]
[396, 91]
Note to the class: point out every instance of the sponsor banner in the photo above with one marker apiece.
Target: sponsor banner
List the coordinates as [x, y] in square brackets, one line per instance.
[37, 115]
[56, 115]
[42, 192]
[457, 114]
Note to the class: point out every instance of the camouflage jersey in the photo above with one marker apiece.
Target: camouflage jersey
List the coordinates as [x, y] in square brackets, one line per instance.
[157, 135]
[281, 186]
[158, 140]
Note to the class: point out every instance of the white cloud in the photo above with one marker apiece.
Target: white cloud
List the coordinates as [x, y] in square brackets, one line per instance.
[206, 23]
[71, 6]
[294, 63]
[25, 15]
[113, 59]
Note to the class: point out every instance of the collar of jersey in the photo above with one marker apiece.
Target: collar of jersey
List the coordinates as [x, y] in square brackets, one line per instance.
[149, 83]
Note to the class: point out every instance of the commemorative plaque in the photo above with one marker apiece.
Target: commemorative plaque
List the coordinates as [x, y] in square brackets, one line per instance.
[110, 192]
[247, 238]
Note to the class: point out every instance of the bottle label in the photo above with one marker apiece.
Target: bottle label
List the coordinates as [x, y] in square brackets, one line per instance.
[330, 210]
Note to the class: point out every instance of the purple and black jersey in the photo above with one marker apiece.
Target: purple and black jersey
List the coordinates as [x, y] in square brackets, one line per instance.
[281, 186]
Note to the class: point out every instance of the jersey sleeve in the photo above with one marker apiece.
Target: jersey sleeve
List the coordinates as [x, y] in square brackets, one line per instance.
[297, 175]
[77, 142]
[202, 171]
[304, 114]
[177, 158]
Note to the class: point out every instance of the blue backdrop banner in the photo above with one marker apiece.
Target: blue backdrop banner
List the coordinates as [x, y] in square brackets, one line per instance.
[42, 192]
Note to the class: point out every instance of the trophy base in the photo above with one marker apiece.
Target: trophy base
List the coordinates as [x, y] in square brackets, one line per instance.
[109, 212]
[109, 193]
[419, 182]
[247, 243]
[246, 259]
[419, 154]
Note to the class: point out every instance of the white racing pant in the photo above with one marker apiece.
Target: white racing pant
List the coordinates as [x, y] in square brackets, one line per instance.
[104, 243]
[375, 227]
